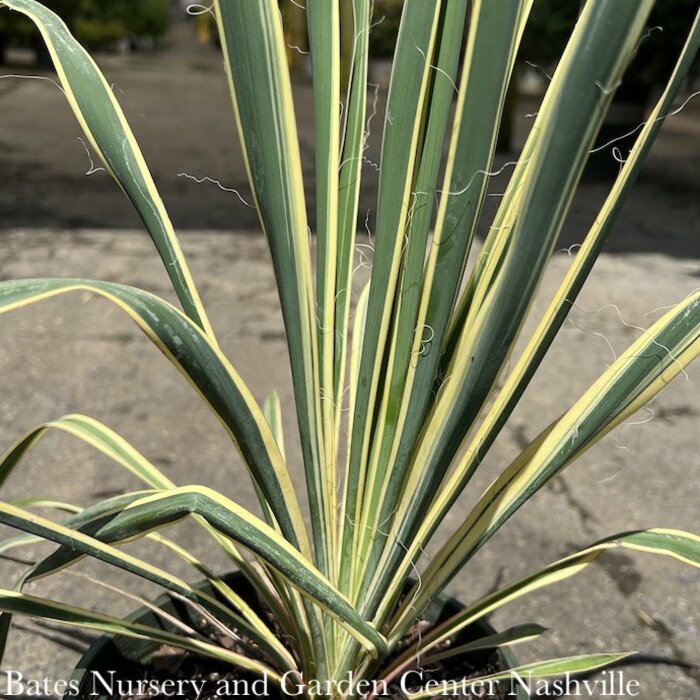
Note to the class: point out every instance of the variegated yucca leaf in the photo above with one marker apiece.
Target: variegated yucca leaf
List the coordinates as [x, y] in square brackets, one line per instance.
[354, 135]
[157, 511]
[31, 606]
[562, 133]
[526, 366]
[205, 367]
[634, 378]
[85, 521]
[95, 434]
[104, 124]
[100, 437]
[255, 57]
[509, 637]
[116, 448]
[408, 134]
[683, 546]
[399, 391]
[427, 295]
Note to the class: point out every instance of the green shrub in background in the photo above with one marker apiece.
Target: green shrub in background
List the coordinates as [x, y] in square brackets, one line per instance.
[552, 21]
[550, 25]
[15, 28]
[133, 18]
[18, 26]
[96, 23]
[386, 19]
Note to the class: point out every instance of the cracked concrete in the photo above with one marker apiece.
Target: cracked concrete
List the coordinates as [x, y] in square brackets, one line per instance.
[79, 354]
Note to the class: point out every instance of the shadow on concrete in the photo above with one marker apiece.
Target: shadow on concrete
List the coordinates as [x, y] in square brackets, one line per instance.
[73, 639]
[178, 104]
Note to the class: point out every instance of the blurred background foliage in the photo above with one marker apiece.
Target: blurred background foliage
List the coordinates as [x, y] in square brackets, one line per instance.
[125, 24]
[550, 25]
[96, 23]
[385, 21]
[106, 23]
[109, 20]
[552, 21]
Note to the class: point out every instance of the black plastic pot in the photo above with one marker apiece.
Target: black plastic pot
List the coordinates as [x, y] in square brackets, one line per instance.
[126, 658]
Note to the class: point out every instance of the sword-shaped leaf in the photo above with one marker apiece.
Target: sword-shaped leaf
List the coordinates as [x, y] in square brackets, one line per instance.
[541, 339]
[403, 135]
[682, 546]
[32, 606]
[255, 57]
[427, 296]
[104, 124]
[645, 368]
[165, 508]
[205, 367]
[563, 135]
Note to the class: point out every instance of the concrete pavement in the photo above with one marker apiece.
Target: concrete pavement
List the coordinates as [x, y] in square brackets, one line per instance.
[80, 354]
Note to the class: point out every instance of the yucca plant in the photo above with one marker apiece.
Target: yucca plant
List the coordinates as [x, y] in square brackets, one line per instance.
[414, 372]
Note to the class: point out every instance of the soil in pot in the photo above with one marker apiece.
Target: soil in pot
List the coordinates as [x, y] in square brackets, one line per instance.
[136, 670]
